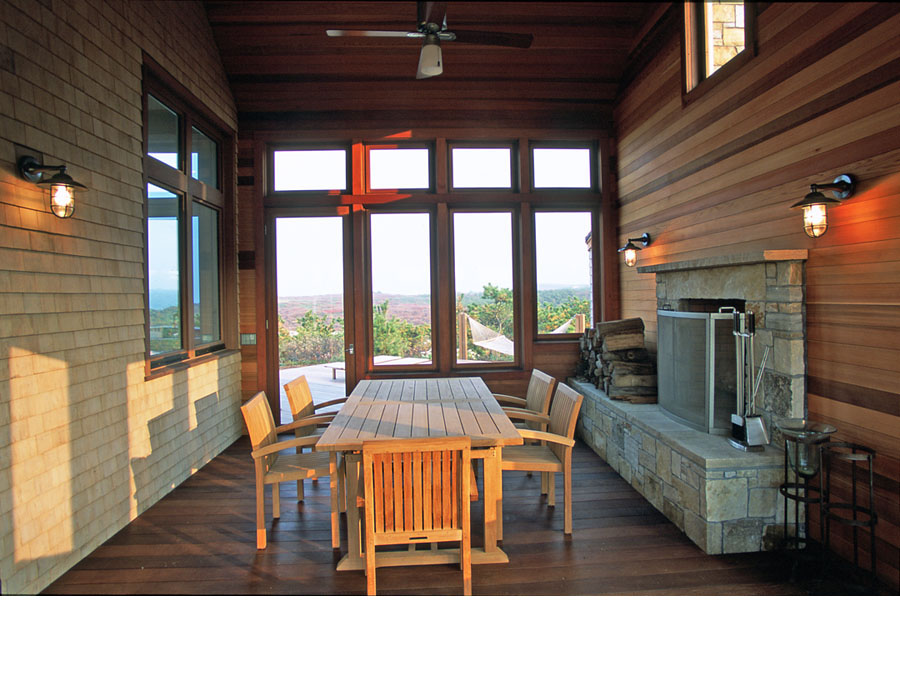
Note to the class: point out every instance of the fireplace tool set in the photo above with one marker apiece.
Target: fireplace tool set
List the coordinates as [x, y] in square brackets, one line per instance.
[748, 429]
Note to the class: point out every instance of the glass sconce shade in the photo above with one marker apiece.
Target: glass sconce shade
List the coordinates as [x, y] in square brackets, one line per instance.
[630, 250]
[815, 220]
[802, 439]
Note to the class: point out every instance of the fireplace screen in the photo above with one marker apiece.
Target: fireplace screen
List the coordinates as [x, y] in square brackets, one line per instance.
[697, 369]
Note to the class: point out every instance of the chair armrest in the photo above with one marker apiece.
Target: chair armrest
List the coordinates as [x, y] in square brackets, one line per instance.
[527, 415]
[507, 398]
[308, 421]
[328, 403]
[547, 437]
[303, 441]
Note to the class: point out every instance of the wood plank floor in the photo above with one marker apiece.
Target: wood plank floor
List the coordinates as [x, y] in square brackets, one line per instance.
[200, 540]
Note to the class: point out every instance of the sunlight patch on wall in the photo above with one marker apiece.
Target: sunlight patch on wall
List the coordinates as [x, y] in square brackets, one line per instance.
[40, 444]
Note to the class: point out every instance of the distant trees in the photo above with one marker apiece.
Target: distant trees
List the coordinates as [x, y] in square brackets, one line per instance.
[317, 338]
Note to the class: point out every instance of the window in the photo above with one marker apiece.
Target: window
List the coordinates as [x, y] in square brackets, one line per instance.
[399, 168]
[463, 252]
[555, 167]
[715, 34]
[562, 270]
[476, 167]
[483, 277]
[185, 214]
[310, 170]
[400, 245]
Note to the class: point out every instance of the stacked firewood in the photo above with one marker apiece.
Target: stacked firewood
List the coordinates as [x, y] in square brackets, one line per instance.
[615, 360]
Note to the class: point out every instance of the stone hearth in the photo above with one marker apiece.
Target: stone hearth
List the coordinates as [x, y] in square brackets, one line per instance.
[724, 499]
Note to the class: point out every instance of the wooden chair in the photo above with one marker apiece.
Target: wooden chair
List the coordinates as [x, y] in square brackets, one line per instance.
[302, 407]
[532, 412]
[273, 468]
[537, 401]
[416, 491]
[554, 455]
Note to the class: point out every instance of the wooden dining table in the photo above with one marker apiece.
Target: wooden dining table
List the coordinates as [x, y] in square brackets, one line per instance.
[416, 408]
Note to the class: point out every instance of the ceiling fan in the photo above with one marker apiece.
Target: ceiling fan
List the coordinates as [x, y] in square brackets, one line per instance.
[432, 29]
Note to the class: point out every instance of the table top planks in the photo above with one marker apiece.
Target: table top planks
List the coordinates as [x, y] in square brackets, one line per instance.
[421, 407]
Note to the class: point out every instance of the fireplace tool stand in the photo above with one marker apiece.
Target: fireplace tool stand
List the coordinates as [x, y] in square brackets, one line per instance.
[748, 429]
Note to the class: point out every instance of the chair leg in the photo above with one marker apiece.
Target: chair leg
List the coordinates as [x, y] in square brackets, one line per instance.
[544, 481]
[276, 501]
[260, 515]
[300, 494]
[551, 488]
[567, 501]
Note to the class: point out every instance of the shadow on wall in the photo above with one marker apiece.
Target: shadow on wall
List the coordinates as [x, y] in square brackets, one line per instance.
[67, 477]
[63, 461]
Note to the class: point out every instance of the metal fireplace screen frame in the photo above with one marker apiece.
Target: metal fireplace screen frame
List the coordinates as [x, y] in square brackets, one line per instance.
[696, 369]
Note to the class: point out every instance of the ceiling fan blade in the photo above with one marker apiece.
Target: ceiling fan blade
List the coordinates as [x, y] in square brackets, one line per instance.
[484, 37]
[373, 33]
[432, 12]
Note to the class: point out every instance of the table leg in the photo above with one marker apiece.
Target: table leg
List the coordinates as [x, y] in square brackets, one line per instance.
[493, 495]
[354, 560]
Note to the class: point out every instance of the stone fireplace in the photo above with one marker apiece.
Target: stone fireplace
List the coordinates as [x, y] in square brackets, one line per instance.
[724, 499]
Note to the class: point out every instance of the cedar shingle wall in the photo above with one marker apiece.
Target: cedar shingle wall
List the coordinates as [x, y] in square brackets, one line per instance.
[86, 443]
[717, 176]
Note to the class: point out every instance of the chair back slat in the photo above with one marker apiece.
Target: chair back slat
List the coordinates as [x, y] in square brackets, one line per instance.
[300, 400]
[564, 411]
[260, 424]
[540, 391]
[418, 490]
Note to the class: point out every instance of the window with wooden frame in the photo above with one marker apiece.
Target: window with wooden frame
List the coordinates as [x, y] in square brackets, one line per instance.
[402, 288]
[563, 273]
[484, 286]
[447, 229]
[186, 241]
[399, 167]
[718, 37]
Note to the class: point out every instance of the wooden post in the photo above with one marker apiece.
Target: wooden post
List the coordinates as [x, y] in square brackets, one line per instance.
[579, 323]
[462, 339]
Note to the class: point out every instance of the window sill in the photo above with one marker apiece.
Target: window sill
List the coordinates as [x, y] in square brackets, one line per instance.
[188, 363]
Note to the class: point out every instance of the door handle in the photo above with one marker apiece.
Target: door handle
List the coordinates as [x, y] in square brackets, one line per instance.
[350, 349]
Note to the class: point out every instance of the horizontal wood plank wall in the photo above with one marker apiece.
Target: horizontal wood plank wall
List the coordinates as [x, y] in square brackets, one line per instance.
[718, 175]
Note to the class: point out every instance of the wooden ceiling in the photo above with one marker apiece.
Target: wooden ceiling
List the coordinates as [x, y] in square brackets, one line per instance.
[285, 71]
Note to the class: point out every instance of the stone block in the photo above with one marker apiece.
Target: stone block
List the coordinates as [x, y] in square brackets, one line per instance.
[664, 463]
[726, 499]
[762, 502]
[673, 512]
[789, 357]
[789, 273]
[687, 497]
[653, 491]
[742, 536]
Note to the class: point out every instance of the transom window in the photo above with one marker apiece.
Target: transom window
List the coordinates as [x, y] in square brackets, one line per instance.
[310, 170]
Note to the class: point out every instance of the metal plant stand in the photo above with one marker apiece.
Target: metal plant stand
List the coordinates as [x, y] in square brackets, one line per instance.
[803, 441]
[852, 513]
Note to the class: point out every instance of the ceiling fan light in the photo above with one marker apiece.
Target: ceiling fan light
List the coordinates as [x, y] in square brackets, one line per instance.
[430, 59]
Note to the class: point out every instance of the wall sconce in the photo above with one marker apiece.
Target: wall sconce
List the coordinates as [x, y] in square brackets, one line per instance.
[630, 250]
[62, 186]
[815, 204]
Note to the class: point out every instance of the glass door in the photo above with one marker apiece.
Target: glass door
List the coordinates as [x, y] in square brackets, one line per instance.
[314, 326]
